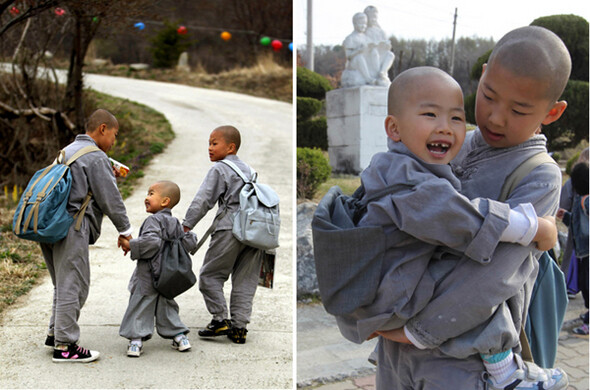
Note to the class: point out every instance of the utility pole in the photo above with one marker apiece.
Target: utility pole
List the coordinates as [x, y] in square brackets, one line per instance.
[452, 44]
[309, 35]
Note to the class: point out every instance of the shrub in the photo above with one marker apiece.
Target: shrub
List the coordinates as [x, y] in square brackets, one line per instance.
[313, 133]
[311, 84]
[167, 45]
[307, 107]
[313, 169]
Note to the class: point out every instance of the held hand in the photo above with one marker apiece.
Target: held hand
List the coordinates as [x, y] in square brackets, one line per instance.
[560, 214]
[186, 229]
[116, 172]
[123, 243]
[546, 236]
[396, 335]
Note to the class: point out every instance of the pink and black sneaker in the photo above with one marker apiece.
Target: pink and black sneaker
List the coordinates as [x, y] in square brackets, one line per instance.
[73, 354]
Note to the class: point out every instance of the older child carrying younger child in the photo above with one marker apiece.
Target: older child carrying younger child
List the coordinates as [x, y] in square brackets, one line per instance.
[480, 309]
[145, 302]
[426, 128]
[226, 255]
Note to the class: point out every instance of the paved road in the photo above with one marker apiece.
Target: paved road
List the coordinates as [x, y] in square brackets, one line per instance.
[330, 362]
[265, 361]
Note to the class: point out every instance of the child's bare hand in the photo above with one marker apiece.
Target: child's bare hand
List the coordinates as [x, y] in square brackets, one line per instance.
[123, 243]
[546, 236]
[186, 229]
[560, 214]
[396, 335]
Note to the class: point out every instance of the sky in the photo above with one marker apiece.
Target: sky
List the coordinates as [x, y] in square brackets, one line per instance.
[428, 19]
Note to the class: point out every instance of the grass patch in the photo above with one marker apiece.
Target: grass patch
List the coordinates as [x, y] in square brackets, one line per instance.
[21, 261]
[348, 184]
[264, 79]
[143, 133]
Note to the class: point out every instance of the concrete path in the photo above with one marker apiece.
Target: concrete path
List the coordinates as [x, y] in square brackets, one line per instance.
[266, 360]
[327, 361]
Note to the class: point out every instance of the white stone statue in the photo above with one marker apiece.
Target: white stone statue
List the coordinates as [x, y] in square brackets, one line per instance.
[356, 47]
[368, 52]
[381, 53]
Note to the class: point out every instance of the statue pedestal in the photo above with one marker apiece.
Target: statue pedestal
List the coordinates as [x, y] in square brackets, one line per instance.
[356, 126]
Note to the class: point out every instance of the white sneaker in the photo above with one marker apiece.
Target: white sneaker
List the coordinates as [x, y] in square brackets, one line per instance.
[182, 344]
[134, 350]
[532, 377]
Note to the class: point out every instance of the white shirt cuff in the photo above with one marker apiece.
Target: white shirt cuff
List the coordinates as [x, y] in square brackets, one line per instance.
[126, 232]
[411, 337]
[522, 226]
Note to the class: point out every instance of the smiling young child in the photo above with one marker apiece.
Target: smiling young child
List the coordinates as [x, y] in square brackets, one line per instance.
[145, 303]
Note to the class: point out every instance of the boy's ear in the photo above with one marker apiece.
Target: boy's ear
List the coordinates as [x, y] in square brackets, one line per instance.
[555, 112]
[391, 128]
[232, 148]
[165, 201]
[483, 69]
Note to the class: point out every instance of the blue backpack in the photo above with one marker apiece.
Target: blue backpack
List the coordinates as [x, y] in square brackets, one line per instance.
[41, 214]
[548, 304]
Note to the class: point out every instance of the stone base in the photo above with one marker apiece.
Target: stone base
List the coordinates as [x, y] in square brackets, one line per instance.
[356, 129]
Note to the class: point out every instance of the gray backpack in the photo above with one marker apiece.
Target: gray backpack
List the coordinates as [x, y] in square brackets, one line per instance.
[257, 221]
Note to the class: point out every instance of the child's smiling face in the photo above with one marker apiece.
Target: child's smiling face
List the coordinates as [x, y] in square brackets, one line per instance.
[155, 201]
[509, 108]
[432, 121]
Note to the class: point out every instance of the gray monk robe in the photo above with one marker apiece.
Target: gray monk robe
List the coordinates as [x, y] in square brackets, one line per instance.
[415, 220]
[475, 308]
[67, 260]
[145, 303]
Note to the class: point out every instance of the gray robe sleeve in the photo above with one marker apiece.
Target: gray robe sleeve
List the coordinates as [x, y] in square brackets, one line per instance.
[105, 193]
[148, 243]
[212, 188]
[435, 213]
[470, 295]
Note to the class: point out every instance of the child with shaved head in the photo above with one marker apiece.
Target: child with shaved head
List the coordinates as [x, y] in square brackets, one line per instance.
[145, 303]
[477, 311]
[426, 128]
[94, 193]
[226, 255]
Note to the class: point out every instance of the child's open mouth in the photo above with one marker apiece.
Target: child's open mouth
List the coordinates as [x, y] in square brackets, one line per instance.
[438, 148]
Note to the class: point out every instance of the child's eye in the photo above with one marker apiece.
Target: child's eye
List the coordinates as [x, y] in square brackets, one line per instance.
[518, 112]
[430, 114]
[458, 118]
[486, 96]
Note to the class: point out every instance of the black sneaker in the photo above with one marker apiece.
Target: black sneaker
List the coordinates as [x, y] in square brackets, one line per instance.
[50, 341]
[237, 335]
[74, 354]
[215, 328]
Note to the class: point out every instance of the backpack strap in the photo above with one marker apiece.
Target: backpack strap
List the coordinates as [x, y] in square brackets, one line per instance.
[514, 179]
[81, 152]
[240, 173]
[79, 216]
[511, 182]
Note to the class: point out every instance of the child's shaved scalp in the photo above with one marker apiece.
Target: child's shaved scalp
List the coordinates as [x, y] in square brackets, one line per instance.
[535, 52]
[171, 190]
[410, 79]
[231, 135]
[99, 117]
